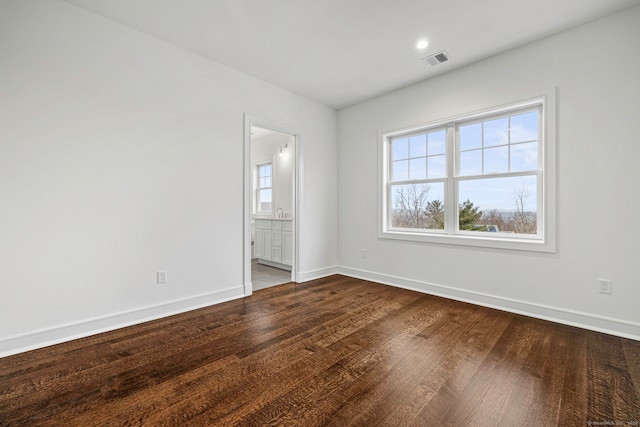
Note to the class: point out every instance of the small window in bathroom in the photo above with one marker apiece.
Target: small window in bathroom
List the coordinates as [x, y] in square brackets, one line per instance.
[264, 188]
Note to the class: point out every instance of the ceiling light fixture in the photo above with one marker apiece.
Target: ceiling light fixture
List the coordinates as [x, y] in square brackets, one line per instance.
[422, 44]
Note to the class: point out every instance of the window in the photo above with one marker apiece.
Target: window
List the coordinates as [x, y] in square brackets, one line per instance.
[483, 179]
[417, 179]
[264, 189]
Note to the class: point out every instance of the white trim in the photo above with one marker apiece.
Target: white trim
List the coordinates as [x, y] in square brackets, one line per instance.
[607, 325]
[305, 276]
[545, 241]
[250, 121]
[247, 211]
[248, 289]
[71, 331]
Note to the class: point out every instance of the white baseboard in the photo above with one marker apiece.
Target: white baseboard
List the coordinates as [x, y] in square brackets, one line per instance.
[72, 331]
[617, 327]
[63, 333]
[305, 276]
[274, 264]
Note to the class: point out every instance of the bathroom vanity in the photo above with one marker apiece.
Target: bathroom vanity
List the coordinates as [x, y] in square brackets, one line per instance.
[274, 242]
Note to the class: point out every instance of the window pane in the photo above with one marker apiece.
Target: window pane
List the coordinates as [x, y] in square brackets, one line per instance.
[418, 145]
[400, 171]
[524, 157]
[264, 200]
[437, 166]
[437, 142]
[524, 127]
[419, 206]
[495, 132]
[470, 136]
[471, 163]
[264, 175]
[400, 148]
[496, 160]
[265, 182]
[505, 205]
[265, 207]
[418, 168]
[265, 170]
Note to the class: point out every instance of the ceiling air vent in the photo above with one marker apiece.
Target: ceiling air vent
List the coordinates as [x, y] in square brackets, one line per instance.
[437, 58]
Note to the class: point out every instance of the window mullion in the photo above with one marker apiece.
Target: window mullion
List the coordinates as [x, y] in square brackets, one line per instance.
[450, 189]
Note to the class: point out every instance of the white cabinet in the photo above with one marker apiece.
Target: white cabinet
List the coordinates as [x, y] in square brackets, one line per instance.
[287, 243]
[262, 243]
[274, 242]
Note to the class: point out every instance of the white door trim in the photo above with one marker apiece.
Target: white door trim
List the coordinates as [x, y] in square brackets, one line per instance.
[249, 121]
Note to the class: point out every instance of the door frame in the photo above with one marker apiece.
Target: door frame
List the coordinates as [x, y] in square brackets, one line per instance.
[249, 121]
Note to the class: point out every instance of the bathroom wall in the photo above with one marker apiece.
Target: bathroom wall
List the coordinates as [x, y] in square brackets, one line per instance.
[266, 148]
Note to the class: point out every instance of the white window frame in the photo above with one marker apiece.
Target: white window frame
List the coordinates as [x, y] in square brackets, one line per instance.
[258, 188]
[546, 238]
[426, 180]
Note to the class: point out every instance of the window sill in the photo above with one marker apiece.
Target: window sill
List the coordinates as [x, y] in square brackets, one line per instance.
[497, 242]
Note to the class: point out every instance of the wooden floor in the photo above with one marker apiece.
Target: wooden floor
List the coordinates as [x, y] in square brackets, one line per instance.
[336, 351]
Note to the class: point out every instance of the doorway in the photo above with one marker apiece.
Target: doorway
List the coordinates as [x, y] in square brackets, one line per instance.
[271, 204]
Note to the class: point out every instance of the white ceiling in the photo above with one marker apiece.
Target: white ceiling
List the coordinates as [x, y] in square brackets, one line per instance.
[339, 52]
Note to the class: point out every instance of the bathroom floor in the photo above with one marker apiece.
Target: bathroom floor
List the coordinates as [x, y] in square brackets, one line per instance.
[263, 276]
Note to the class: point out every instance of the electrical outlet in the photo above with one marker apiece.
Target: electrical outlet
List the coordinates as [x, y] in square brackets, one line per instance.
[364, 253]
[161, 277]
[605, 286]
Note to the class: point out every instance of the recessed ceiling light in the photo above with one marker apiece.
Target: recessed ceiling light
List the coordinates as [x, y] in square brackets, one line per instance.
[422, 44]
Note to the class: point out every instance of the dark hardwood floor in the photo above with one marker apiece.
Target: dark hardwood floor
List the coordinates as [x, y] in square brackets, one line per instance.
[336, 351]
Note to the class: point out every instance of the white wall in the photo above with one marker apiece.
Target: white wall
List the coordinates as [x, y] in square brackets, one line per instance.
[266, 148]
[116, 152]
[595, 68]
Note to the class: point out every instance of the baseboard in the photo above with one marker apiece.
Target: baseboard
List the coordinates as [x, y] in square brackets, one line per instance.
[617, 327]
[274, 264]
[305, 276]
[72, 331]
